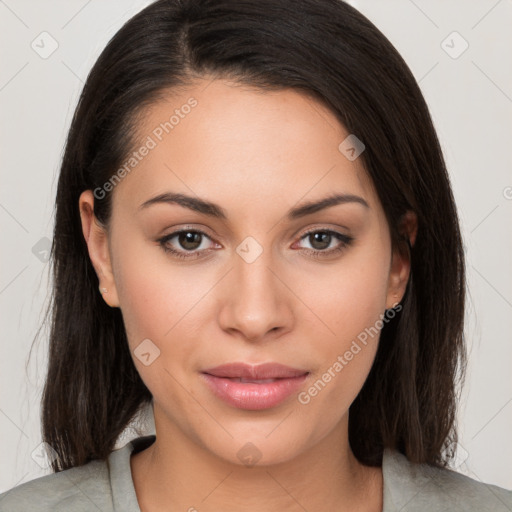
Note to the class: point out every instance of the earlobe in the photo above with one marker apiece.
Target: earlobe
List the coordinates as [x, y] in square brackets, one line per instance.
[401, 260]
[398, 277]
[96, 238]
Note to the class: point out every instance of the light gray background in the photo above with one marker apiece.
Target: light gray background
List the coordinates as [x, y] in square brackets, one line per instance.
[470, 98]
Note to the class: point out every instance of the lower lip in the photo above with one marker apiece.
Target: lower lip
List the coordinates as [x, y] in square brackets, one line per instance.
[253, 396]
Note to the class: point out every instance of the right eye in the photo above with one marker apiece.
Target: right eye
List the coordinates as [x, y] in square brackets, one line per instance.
[190, 241]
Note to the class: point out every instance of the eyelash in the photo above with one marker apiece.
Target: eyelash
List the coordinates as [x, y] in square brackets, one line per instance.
[316, 253]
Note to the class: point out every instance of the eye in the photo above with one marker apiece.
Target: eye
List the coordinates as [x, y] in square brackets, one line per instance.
[322, 241]
[188, 241]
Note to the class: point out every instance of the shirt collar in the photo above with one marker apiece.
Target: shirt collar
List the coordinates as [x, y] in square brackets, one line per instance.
[124, 498]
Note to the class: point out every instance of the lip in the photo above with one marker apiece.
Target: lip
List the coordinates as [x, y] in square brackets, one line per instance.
[260, 371]
[252, 387]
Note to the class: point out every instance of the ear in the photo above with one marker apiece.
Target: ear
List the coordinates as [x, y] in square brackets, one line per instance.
[96, 237]
[401, 260]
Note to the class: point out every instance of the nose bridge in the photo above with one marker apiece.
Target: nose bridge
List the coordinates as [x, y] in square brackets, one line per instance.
[256, 301]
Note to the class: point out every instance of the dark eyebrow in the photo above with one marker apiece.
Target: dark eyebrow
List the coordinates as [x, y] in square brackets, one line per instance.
[192, 203]
[213, 210]
[315, 206]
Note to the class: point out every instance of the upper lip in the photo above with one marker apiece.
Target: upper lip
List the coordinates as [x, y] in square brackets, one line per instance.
[261, 371]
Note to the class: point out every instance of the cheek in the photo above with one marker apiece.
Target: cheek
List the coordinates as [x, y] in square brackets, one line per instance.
[153, 291]
[158, 299]
[359, 296]
[347, 297]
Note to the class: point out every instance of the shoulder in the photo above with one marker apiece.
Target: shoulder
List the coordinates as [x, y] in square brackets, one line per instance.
[81, 488]
[410, 487]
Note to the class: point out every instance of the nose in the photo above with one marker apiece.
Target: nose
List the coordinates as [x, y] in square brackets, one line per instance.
[256, 303]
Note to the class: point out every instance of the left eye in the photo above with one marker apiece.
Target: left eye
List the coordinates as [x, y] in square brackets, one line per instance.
[323, 239]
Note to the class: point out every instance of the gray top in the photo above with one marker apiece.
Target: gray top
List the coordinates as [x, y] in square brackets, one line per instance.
[107, 486]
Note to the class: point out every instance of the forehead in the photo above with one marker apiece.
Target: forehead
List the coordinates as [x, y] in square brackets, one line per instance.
[218, 136]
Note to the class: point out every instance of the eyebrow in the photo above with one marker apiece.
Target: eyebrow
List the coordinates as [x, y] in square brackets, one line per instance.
[214, 210]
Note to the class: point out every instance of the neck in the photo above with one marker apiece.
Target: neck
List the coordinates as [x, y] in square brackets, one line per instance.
[175, 473]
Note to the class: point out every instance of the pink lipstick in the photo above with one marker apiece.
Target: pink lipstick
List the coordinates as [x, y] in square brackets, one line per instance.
[251, 387]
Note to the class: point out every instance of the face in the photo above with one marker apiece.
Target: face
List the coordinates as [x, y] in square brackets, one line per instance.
[253, 277]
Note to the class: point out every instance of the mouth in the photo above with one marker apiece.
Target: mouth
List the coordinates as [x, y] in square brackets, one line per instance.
[254, 387]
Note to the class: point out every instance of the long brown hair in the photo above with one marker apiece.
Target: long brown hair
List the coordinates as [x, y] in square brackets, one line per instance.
[328, 50]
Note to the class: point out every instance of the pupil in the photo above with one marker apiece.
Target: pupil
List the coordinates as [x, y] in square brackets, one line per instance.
[323, 238]
[190, 240]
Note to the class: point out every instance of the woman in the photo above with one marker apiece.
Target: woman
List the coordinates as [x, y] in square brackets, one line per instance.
[255, 234]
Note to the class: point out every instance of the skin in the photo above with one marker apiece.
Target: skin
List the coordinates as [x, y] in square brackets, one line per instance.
[256, 154]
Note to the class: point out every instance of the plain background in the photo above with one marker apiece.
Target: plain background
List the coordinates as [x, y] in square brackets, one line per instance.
[470, 97]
